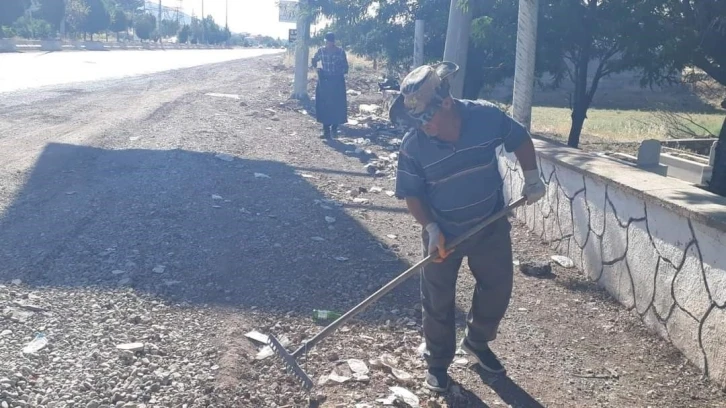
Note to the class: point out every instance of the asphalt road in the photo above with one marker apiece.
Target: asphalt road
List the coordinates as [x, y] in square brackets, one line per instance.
[39, 69]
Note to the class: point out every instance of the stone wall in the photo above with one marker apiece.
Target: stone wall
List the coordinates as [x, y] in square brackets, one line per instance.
[655, 244]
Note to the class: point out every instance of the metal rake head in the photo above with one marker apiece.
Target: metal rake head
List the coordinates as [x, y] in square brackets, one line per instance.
[290, 363]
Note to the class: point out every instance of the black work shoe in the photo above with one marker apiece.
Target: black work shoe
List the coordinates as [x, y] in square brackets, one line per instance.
[486, 358]
[437, 379]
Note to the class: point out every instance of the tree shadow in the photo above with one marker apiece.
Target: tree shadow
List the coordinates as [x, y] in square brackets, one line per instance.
[191, 228]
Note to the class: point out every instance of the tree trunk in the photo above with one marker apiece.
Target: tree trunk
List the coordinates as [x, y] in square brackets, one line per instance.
[579, 114]
[718, 177]
[582, 99]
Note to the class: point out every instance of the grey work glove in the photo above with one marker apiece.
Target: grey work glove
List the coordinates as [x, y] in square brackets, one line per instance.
[437, 241]
[534, 188]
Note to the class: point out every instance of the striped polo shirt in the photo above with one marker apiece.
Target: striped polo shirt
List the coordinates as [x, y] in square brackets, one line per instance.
[460, 182]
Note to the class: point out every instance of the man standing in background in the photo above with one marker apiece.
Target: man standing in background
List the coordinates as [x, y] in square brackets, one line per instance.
[331, 105]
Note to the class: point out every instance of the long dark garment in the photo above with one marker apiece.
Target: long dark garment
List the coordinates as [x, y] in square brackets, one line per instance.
[331, 102]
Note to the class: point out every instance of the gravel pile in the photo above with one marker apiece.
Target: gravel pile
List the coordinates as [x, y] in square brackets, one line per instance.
[101, 349]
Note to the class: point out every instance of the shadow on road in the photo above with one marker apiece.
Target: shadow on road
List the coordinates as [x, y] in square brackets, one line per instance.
[191, 227]
[511, 393]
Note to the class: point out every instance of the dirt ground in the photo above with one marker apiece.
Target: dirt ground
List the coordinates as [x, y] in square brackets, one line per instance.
[257, 221]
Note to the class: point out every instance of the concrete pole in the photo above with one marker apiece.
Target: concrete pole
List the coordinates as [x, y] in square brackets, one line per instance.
[524, 63]
[302, 53]
[457, 43]
[418, 44]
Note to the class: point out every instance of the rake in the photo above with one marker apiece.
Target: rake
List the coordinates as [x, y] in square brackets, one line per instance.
[290, 359]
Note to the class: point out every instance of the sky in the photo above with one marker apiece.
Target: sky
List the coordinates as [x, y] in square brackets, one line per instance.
[252, 16]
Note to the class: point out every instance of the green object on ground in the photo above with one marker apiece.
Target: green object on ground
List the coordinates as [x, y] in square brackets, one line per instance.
[325, 315]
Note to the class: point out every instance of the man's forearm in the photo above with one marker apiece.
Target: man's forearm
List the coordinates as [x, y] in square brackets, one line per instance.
[419, 210]
[526, 155]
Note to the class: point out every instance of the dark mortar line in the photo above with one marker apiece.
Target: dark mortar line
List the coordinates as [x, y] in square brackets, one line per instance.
[632, 286]
[675, 300]
[700, 337]
[609, 202]
[557, 196]
[678, 271]
[650, 235]
[655, 280]
[587, 235]
[670, 311]
[603, 215]
[700, 261]
[652, 295]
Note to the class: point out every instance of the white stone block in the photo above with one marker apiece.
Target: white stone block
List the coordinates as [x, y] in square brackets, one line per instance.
[615, 237]
[714, 346]
[580, 219]
[663, 298]
[712, 244]
[616, 279]
[626, 206]
[683, 332]
[592, 257]
[651, 321]
[596, 204]
[574, 252]
[671, 233]
[689, 288]
[643, 261]
[564, 214]
[571, 181]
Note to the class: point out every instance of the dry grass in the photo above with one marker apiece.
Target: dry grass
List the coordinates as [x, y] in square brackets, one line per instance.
[622, 110]
[618, 125]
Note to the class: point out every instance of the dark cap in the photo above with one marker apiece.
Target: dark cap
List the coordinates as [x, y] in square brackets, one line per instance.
[329, 37]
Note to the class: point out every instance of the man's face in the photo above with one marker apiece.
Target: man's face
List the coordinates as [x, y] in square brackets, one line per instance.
[432, 128]
[441, 119]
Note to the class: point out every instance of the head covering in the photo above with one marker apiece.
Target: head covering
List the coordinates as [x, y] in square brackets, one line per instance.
[329, 37]
[422, 92]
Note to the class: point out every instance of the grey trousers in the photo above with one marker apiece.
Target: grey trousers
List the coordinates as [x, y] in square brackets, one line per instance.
[489, 255]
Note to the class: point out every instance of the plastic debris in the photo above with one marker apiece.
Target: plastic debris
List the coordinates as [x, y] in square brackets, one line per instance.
[563, 261]
[37, 344]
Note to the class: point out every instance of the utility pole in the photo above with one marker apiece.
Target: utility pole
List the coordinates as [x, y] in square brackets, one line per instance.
[524, 63]
[204, 26]
[418, 44]
[457, 43]
[302, 52]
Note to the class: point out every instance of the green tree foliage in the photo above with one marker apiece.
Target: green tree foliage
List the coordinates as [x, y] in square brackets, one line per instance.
[98, 18]
[690, 33]
[169, 28]
[144, 26]
[28, 27]
[51, 11]
[184, 34]
[589, 40]
[76, 12]
[119, 22]
[11, 10]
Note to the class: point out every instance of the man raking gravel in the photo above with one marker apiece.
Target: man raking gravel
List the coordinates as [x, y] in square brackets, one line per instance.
[448, 174]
